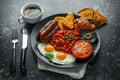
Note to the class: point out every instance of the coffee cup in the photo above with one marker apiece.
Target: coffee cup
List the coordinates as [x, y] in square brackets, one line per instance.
[31, 13]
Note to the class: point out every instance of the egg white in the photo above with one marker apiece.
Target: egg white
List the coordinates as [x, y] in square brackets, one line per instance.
[41, 49]
[68, 60]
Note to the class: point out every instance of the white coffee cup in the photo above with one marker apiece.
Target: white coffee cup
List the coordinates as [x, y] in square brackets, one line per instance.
[31, 13]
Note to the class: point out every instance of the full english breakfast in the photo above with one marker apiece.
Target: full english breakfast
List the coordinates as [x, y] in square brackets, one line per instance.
[66, 38]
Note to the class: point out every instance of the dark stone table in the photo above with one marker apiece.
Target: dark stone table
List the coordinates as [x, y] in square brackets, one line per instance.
[105, 66]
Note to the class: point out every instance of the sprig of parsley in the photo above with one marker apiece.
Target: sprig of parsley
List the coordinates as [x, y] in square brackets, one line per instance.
[94, 46]
[49, 56]
[69, 37]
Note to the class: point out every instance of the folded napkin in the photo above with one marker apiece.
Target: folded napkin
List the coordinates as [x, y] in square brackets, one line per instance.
[76, 73]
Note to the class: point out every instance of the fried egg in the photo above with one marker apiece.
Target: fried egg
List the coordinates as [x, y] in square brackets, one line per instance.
[59, 57]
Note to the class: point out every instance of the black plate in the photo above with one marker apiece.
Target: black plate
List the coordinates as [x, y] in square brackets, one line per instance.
[35, 41]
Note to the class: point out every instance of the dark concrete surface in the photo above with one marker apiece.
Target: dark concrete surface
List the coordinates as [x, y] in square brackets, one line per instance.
[105, 66]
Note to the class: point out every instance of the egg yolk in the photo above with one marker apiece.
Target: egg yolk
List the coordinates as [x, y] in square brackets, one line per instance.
[49, 48]
[61, 55]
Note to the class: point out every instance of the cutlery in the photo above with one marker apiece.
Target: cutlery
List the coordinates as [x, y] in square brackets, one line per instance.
[24, 47]
[14, 42]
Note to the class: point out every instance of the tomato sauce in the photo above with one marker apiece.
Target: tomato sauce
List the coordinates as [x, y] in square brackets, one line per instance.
[64, 40]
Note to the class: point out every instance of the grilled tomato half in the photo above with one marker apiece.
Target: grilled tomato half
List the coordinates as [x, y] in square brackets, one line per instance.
[82, 49]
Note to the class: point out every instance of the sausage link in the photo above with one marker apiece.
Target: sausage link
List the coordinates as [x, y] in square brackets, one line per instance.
[49, 36]
[46, 29]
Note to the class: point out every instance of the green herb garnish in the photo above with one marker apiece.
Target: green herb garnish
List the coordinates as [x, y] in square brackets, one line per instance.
[94, 46]
[49, 56]
[69, 37]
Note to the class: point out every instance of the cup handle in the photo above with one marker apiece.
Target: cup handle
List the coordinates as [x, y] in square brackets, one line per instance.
[20, 20]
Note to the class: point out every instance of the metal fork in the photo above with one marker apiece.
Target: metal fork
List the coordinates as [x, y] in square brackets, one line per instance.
[14, 42]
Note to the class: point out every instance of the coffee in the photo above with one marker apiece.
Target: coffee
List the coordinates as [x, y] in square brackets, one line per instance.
[32, 12]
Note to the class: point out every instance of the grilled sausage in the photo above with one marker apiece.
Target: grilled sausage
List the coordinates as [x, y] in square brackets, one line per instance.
[49, 36]
[46, 25]
[47, 29]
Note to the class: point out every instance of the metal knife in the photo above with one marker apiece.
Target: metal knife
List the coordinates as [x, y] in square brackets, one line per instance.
[24, 47]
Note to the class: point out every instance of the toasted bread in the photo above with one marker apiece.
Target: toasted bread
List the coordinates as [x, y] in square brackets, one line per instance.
[93, 15]
[87, 13]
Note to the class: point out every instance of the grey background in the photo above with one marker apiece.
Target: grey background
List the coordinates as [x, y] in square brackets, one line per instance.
[105, 66]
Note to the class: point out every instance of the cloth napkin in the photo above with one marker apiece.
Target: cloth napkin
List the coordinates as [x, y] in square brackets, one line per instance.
[76, 73]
